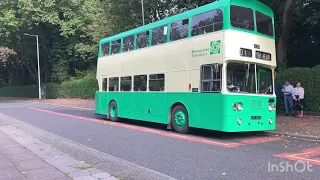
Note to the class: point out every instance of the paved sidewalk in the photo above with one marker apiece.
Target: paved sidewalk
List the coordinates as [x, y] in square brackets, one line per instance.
[23, 157]
[308, 126]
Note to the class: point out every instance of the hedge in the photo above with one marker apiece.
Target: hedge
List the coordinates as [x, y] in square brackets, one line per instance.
[86, 86]
[310, 81]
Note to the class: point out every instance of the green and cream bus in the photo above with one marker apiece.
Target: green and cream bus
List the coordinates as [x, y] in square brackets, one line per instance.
[210, 68]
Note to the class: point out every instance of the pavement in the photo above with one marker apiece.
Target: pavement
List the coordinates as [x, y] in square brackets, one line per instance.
[137, 150]
[24, 157]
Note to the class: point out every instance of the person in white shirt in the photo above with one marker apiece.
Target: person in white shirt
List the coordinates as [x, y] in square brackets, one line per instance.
[298, 98]
[288, 100]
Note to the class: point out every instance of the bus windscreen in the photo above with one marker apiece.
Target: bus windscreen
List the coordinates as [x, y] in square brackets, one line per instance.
[264, 24]
[241, 17]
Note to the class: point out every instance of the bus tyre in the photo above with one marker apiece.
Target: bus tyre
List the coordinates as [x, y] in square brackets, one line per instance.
[113, 111]
[180, 119]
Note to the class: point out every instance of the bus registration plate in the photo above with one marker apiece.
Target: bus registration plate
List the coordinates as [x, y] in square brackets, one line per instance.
[255, 117]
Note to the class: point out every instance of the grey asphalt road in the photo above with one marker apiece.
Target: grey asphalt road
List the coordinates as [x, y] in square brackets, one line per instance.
[178, 158]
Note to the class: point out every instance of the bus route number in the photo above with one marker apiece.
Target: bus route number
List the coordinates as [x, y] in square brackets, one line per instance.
[263, 55]
[245, 52]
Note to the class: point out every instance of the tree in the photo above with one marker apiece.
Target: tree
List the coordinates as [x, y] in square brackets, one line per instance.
[5, 53]
[282, 49]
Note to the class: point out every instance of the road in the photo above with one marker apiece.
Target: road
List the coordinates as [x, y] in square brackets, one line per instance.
[200, 155]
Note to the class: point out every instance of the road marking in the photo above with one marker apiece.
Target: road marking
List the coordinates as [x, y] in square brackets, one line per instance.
[306, 155]
[250, 141]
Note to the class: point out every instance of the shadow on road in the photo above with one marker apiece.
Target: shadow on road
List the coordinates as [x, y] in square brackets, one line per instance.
[194, 131]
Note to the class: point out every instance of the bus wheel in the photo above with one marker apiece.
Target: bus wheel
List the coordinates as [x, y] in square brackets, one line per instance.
[180, 119]
[113, 111]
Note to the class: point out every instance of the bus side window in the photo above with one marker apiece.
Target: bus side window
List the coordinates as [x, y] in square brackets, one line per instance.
[207, 22]
[105, 49]
[115, 46]
[142, 40]
[140, 83]
[128, 44]
[104, 84]
[114, 84]
[179, 29]
[156, 82]
[210, 78]
[126, 83]
[159, 35]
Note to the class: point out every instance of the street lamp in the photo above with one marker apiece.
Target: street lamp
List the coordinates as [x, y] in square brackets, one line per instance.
[142, 9]
[38, 61]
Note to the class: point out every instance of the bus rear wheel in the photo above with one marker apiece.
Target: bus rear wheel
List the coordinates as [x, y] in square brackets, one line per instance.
[180, 119]
[113, 111]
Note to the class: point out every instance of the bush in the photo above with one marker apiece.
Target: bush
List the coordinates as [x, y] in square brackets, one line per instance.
[74, 88]
[79, 88]
[310, 81]
[20, 91]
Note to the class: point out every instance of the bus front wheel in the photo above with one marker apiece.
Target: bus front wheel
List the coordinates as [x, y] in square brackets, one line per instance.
[180, 119]
[113, 111]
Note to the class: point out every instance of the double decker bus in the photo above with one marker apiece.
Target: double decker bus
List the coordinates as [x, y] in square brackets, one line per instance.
[211, 67]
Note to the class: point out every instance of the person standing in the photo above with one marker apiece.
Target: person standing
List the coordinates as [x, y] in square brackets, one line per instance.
[298, 97]
[288, 100]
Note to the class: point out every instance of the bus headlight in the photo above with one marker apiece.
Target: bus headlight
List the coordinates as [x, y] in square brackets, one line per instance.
[270, 121]
[237, 106]
[239, 121]
[270, 107]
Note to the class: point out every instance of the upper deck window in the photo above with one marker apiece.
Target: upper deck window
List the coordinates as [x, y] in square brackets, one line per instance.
[264, 24]
[128, 43]
[105, 49]
[115, 46]
[241, 17]
[159, 35]
[142, 40]
[179, 30]
[207, 22]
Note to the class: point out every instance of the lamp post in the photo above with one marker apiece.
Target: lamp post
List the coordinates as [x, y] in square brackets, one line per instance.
[38, 61]
[142, 9]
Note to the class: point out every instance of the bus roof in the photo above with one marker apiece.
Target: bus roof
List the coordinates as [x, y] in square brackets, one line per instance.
[214, 5]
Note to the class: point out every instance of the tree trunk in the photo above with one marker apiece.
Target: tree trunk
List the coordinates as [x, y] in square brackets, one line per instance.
[286, 23]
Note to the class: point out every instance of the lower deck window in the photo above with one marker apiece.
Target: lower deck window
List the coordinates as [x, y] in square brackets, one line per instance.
[156, 82]
[140, 82]
[104, 84]
[114, 84]
[126, 83]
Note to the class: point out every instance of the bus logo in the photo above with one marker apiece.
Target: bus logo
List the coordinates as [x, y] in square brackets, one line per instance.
[215, 47]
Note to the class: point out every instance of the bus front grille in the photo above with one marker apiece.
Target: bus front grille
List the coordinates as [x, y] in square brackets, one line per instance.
[256, 104]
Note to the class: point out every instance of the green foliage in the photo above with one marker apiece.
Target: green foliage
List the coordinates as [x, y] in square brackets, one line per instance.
[20, 91]
[79, 88]
[84, 88]
[310, 81]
